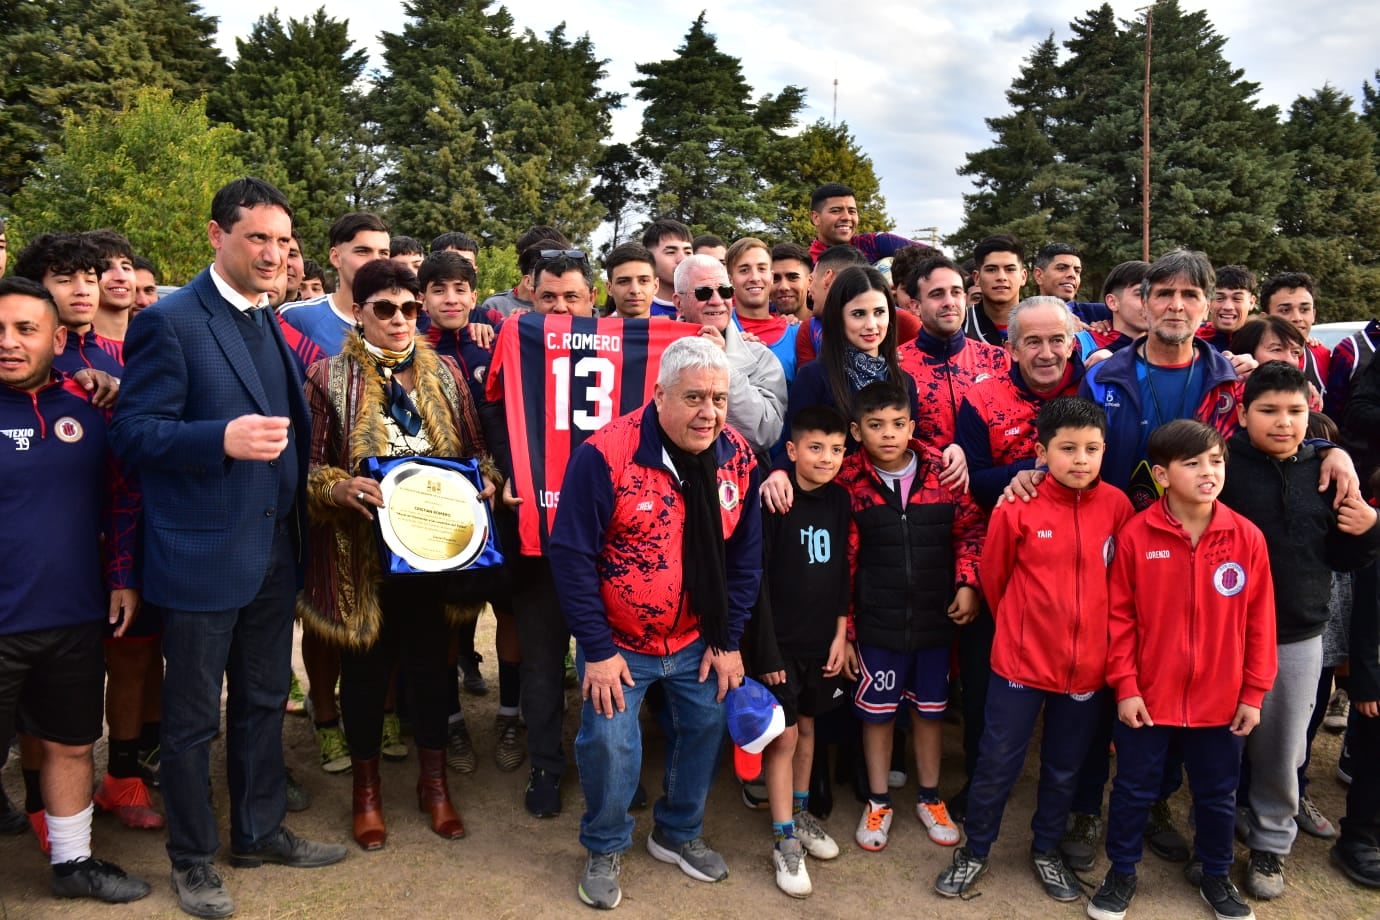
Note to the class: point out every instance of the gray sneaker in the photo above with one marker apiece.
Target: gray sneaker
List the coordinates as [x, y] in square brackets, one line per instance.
[693, 856]
[1264, 875]
[813, 837]
[960, 875]
[201, 892]
[1058, 880]
[599, 885]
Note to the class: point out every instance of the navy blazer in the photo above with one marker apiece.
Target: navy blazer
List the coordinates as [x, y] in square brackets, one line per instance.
[208, 519]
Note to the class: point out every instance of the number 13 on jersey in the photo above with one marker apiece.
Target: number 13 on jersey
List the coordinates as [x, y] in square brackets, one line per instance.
[588, 386]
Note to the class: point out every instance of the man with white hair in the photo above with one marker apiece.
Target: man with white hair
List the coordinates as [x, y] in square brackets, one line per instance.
[657, 555]
[756, 380]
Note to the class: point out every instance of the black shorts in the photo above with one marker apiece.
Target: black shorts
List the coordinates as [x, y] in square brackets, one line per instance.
[54, 679]
[807, 692]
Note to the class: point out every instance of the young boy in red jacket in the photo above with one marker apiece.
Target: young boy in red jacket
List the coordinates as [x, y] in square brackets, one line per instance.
[1191, 655]
[1044, 574]
[913, 550]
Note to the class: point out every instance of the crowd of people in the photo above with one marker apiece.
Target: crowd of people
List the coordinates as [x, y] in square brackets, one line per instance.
[873, 479]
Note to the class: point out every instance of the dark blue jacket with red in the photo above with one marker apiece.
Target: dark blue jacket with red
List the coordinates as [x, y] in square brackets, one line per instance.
[996, 428]
[83, 351]
[616, 546]
[944, 370]
[908, 560]
[1114, 385]
[64, 490]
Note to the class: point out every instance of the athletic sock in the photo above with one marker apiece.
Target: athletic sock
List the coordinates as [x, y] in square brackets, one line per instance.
[329, 723]
[780, 830]
[33, 792]
[880, 799]
[122, 761]
[70, 837]
[509, 684]
[799, 801]
[927, 794]
[149, 737]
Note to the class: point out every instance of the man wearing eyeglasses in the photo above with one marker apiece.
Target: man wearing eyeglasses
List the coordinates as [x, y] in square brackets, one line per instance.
[756, 381]
[215, 420]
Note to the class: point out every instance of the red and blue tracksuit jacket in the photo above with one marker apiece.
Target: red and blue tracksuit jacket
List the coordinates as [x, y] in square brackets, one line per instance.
[944, 371]
[64, 491]
[616, 546]
[996, 429]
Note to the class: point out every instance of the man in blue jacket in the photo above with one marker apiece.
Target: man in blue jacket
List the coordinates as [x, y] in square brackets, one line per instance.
[214, 418]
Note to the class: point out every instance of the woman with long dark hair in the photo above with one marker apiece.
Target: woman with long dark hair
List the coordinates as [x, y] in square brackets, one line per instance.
[858, 347]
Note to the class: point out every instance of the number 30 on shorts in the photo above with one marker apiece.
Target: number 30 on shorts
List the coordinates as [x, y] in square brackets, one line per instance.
[597, 376]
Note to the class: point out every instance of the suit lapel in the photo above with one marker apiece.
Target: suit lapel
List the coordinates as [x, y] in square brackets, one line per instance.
[221, 322]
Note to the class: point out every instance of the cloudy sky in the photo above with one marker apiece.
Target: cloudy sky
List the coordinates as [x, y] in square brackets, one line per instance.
[915, 78]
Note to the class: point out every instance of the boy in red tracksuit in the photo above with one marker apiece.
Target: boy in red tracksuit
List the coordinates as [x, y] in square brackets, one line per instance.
[913, 548]
[1044, 574]
[1191, 655]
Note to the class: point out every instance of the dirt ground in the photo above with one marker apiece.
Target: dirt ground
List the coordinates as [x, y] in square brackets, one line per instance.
[514, 866]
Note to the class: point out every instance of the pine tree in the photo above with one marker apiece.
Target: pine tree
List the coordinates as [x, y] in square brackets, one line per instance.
[148, 171]
[819, 154]
[89, 56]
[704, 138]
[1022, 187]
[1329, 223]
[292, 95]
[619, 171]
[486, 131]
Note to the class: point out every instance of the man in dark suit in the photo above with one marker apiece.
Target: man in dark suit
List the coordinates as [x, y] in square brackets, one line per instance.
[213, 417]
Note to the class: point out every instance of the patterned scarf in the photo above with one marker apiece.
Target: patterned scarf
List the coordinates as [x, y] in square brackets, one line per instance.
[388, 363]
[863, 368]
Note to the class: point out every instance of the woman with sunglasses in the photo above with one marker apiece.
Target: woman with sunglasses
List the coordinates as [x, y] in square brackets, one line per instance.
[858, 347]
[387, 394]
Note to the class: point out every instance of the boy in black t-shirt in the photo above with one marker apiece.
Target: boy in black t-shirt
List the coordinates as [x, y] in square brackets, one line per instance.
[799, 632]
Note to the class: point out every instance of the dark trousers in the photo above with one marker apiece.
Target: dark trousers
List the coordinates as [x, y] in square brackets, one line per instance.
[1097, 765]
[1010, 724]
[251, 648]
[1212, 757]
[544, 639]
[1362, 821]
[415, 634]
[975, 672]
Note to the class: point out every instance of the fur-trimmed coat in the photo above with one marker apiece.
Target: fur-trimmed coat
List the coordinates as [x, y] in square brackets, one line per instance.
[345, 394]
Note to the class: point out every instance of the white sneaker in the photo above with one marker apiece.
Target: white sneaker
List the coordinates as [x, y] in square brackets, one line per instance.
[895, 779]
[791, 876]
[1338, 709]
[935, 817]
[813, 837]
[873, 827]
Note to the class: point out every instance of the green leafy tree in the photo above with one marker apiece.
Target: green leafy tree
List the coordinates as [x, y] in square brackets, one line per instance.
[821, 153]
[490, 132]
[292, 96]
[67, 59]
[1329, 223]
[619, 173]
[148, 171]
[706, 140]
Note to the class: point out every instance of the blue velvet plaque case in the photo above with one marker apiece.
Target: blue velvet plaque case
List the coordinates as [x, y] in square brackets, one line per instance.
[433, 521]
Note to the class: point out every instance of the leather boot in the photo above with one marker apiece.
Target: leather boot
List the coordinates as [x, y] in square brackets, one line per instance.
[368, 804]
[432, 795]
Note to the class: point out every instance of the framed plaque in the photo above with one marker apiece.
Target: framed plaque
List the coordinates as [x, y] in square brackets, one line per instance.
[432, 519]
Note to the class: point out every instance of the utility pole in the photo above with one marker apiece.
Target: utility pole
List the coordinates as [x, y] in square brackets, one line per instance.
[835, 120]
[930, 234]
[1145, 144]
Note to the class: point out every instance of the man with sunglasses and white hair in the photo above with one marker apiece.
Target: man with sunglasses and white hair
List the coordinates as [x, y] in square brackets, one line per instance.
[756, 381]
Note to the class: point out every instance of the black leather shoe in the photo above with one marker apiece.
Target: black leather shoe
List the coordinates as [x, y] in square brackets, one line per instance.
[284, 848]
[1359, 860]
[543, 797]
[201, 891]
[103, 881]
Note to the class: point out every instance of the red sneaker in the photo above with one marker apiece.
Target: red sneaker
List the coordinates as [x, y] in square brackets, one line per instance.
[127, 798]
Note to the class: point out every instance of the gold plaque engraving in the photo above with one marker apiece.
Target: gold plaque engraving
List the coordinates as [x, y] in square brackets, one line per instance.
[432, 517]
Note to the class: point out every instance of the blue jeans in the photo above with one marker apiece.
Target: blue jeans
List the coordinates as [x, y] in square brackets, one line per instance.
[608, 751]
[252, 648]
[1010, 725]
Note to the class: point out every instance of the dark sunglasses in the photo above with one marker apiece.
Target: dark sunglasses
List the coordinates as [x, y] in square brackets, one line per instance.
[577, 255]
[384, 309]
[705, 291]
